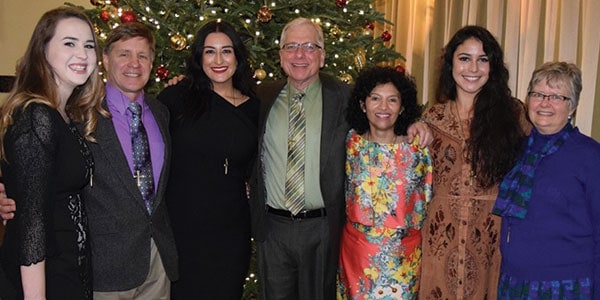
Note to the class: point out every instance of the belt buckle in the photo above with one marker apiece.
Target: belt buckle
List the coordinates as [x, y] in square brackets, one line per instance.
[299, 216]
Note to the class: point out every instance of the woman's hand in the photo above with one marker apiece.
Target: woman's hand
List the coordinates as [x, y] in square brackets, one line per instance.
[421, 129]
[175, 80]
[7, 206]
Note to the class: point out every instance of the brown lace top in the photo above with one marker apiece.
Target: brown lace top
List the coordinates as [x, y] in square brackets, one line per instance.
[461, 259]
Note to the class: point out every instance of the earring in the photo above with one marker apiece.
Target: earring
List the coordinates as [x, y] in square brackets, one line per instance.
[401, 111]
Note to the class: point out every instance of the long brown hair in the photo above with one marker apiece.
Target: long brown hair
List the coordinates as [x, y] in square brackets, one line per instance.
[495, 134]
[35, 82]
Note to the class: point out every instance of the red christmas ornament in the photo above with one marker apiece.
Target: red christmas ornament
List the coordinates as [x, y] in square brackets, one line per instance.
[400, 69]
[162, 72]
[104, 15]
[386, 36]
[341, 3]
[370, 26]
[128, 16]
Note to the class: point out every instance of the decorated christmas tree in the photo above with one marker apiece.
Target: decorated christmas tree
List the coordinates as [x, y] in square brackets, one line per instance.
[352, 41]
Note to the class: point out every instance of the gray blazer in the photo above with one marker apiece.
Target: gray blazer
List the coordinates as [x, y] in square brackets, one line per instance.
[333, 157]
[120, 227]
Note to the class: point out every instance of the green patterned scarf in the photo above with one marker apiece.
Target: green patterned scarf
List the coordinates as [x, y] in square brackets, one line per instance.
[515, 190]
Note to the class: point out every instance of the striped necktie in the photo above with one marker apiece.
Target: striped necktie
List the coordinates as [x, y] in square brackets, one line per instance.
[294, 183]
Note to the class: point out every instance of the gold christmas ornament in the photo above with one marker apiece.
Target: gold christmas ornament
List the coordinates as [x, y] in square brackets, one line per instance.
[335, 32]
[265, 14]
[385, 63]
[260, 74]
[178, 42]
[346, 78]
[97, 30]
[360, 60]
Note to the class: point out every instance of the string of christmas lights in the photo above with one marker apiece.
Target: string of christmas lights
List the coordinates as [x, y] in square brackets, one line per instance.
[349, 27]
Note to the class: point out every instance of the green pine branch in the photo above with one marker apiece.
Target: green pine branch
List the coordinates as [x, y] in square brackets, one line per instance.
[350, 46]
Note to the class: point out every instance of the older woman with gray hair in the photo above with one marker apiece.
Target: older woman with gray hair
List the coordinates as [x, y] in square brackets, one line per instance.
[550, 200]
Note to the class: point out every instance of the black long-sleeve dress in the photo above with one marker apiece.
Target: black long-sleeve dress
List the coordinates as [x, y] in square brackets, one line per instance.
[206, 194]
[47, 165]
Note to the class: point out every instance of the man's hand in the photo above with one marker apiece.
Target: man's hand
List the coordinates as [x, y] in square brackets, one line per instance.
[7, 206]
[421, 129]
[175, 80]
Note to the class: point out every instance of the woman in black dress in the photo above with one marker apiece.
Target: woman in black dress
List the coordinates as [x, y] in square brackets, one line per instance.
[214, 116]
[45, 160]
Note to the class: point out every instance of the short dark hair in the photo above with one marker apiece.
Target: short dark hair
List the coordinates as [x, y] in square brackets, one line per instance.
[367, 81]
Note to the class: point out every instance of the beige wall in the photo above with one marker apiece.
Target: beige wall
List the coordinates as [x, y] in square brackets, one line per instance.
[17, 20]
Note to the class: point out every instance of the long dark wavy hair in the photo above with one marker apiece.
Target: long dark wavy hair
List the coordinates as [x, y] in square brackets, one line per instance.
[495, 135]
[198, 83]
[367, 81]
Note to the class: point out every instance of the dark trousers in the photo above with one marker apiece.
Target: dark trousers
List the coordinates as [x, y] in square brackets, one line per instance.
[295, 261]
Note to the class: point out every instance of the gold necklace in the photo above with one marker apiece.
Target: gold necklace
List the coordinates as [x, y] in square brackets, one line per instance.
[233, 101]
[461, 133]
[369, 139]
[233, 98]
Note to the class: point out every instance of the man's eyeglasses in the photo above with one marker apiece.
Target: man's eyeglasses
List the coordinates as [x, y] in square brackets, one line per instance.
[308, 47]
[556, 99]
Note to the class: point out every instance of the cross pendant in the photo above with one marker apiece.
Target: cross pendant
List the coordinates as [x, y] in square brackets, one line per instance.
[226, 165]
[138, 176]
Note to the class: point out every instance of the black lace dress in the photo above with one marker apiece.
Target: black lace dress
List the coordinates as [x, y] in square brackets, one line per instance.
[47, 165]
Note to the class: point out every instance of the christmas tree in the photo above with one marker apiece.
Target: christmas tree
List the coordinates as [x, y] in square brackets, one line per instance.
[348, 26]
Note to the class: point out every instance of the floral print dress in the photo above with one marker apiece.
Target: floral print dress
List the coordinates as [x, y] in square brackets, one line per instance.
[387, 189]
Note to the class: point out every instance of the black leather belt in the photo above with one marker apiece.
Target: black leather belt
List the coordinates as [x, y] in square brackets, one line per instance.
[305, 214]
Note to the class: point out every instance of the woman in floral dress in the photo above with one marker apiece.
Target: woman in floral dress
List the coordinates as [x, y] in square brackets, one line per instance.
[387, 187]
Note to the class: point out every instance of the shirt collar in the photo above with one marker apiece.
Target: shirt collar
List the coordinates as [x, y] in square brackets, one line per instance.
[315, 85]
[118, 102]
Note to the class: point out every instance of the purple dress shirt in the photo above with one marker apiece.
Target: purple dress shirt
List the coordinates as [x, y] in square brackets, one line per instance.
[117, 105]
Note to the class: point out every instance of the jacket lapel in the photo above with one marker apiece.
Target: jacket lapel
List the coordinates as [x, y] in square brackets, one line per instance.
[113, 156]
[161, 115]
[330, 120]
